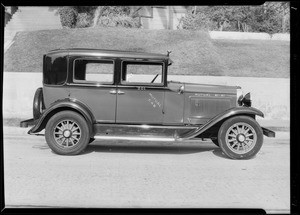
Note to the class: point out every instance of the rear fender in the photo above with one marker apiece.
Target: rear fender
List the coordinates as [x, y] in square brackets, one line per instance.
[61, 105]
[227, 114]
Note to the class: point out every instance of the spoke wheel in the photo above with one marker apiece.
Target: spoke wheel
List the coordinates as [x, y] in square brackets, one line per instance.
[240, 137]
[67, 133]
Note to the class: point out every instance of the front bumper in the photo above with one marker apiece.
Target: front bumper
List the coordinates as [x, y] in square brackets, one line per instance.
[268, 132]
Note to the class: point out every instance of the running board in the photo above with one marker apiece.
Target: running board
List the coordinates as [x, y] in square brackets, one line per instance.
[103, 137]
[140, 132]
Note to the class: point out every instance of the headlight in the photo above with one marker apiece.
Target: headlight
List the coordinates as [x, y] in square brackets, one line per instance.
[239, 95]
[247, 100]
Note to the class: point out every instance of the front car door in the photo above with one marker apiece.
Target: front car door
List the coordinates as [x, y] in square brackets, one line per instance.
[140, 94]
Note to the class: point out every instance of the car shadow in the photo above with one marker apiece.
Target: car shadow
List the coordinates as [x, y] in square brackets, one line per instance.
[218, 152]
[148, 147]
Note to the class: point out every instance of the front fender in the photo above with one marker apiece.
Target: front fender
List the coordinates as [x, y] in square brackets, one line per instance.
[60, 105]
[226, 114]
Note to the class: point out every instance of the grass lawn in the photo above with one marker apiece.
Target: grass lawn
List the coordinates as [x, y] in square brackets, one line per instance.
[193, 53]
[262, 58]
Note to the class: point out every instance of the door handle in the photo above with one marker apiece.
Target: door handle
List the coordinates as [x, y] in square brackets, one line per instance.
[113, 92]
[181, 89]
[120, 92]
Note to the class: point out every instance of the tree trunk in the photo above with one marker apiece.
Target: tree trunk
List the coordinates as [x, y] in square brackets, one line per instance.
[97, 14]
[283, 26]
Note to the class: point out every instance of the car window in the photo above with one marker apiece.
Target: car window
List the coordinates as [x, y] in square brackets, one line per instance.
[55, 70]
[90, 71]
[142, 72]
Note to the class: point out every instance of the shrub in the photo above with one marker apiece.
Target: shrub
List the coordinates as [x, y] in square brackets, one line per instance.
[83, 20]
[193, 21]
[119, 21]
[68, 16]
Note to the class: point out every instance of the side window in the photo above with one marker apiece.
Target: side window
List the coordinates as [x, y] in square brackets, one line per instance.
[55, 69]
[94, 71]
[150, 73]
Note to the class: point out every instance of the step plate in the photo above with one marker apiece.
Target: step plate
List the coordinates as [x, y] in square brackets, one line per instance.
[140, 132]
[135, 138]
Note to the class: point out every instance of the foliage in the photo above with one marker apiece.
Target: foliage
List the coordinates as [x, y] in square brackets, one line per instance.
[115, 16]
[271, 17]
[116, 10]
[83, 20]
[266, 20]
[118, 21]
[86, 16]
[192, 21]
[68, 16]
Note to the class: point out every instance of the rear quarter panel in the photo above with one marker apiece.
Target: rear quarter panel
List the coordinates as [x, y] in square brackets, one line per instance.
[54, 93]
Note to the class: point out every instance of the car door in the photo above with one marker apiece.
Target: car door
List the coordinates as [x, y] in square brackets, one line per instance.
[93, 83]
[174, 104]
[140, 94]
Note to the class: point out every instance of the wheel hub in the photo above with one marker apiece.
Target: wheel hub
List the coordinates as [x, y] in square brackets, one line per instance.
[241, 138]
[67, 133]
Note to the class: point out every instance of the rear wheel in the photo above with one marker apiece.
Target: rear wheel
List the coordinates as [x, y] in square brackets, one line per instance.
[240, 137]
[67, 133]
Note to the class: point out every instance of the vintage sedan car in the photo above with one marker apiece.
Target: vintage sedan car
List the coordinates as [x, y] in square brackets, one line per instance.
[90, 94]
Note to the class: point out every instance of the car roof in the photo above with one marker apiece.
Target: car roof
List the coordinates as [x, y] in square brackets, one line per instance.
[107, 53]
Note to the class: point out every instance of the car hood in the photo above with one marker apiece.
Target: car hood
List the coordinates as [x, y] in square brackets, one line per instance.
[210, 88]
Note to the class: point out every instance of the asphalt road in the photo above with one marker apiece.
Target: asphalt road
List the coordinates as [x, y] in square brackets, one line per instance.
[126, 174]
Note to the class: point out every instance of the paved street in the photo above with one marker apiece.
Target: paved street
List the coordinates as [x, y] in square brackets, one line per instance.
[140, 174]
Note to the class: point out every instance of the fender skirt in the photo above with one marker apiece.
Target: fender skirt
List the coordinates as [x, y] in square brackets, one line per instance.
[228, 113]
[69, 104]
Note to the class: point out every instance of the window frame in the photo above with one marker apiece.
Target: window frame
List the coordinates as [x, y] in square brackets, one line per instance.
[97, 83]
[141, 62]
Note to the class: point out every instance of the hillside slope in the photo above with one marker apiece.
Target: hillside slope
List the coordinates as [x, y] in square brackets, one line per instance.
[193, 53]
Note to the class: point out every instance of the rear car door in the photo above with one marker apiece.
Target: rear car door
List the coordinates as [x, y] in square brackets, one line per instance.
[94, 85]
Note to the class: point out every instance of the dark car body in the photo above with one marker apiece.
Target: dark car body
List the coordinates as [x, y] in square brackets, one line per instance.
[131, 97]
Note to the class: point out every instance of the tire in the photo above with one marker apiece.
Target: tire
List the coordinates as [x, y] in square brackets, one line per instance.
[240, 137]
[215, 141]
[38, 104]
[67, 133]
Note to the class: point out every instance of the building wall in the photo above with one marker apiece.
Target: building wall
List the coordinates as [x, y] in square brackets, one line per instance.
[165, 17]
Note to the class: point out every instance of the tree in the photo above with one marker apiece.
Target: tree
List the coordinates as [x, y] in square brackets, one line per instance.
[85, 16]
[271, 17]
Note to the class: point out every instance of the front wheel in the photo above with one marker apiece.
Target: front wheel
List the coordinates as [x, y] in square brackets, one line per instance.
[240, 137]
[67, 133]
